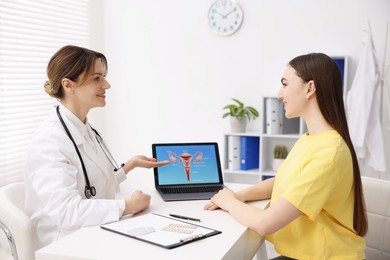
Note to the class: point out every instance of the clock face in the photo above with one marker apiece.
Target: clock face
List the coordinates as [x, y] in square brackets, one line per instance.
[225, 17]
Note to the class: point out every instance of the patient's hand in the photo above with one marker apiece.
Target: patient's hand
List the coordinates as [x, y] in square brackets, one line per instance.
[210, 206]
[221, 200]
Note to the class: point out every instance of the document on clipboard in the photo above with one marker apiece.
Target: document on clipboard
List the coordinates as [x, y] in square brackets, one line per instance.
[160, 230]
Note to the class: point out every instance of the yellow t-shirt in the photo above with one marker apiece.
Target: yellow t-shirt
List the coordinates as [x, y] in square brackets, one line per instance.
[317, 178]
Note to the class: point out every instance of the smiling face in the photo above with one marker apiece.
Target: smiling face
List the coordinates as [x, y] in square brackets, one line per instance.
[88, 91]
[91, 89]
[293, 93]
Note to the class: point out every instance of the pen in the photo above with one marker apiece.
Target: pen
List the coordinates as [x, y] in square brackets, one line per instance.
[192, 238]
[184, 217]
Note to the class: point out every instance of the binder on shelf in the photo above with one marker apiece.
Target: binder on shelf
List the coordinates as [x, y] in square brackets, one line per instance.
[249, 149]
[274, 116]
[234, 155]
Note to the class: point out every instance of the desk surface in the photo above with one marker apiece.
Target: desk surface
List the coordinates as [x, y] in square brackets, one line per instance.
[235, 241]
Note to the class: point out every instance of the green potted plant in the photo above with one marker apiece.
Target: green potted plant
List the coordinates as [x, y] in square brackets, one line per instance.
[239, 114]
[280, 153]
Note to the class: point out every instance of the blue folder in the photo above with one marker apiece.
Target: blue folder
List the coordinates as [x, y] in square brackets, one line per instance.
[250, 152]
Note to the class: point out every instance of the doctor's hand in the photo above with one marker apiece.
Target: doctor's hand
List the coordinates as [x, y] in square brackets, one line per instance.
[142, 161]
[136, 203]
[221, 200]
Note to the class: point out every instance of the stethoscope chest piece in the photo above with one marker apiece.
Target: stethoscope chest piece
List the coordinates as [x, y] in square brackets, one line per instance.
[89, 192]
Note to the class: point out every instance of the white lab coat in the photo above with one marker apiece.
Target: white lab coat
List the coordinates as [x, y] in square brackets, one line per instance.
[55, 181]
[363, 111]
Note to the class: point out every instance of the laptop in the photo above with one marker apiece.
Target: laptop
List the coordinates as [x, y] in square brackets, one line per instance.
[194, 171]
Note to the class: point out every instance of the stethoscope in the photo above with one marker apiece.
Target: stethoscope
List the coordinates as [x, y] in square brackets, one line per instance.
[89, 190]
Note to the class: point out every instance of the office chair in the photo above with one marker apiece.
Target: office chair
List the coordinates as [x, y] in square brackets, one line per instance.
[17, 225]
[377, 198]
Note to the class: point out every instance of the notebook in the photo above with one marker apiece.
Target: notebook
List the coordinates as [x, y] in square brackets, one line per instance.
[194, 171]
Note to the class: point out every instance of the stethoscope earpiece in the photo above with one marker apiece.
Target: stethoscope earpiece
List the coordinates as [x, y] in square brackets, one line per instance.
[116, 169]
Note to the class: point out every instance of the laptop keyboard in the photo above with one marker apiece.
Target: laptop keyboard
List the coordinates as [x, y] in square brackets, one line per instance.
[191, 189]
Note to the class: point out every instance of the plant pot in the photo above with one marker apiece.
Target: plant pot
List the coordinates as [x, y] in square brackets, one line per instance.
[276, 164]
[237, 126]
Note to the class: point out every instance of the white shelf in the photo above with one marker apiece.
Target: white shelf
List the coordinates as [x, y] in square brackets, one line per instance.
[286, 136]
[249, 133]
[246, 177]
[249, 172]
[268, 172]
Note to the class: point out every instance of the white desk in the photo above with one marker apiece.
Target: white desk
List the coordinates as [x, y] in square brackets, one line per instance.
[235, 241]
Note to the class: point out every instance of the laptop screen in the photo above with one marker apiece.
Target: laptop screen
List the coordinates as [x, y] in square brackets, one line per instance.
[190, 163]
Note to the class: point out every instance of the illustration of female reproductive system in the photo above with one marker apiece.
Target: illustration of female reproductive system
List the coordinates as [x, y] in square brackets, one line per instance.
[186, 159]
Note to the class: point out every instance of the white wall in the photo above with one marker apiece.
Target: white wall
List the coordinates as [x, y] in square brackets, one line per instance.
[171, 75]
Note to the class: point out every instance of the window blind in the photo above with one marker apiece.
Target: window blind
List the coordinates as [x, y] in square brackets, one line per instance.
[30, 33]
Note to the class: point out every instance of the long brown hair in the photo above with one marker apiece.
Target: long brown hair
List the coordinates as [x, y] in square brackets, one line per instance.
[326, 75]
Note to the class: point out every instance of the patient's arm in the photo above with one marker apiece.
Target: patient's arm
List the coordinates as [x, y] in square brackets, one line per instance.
[260, 191]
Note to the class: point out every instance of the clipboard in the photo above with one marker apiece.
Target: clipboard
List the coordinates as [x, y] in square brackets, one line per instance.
[160, 230]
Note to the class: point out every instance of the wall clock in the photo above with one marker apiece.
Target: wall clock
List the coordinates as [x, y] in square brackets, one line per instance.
[225, 17]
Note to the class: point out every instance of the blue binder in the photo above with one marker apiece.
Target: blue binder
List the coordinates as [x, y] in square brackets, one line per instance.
[249, 152]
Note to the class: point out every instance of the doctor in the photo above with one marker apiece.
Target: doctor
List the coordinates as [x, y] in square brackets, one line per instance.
[71, 178]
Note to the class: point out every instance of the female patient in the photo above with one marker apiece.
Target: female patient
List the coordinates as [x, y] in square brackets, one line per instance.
[317, 209]
[71, 177]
